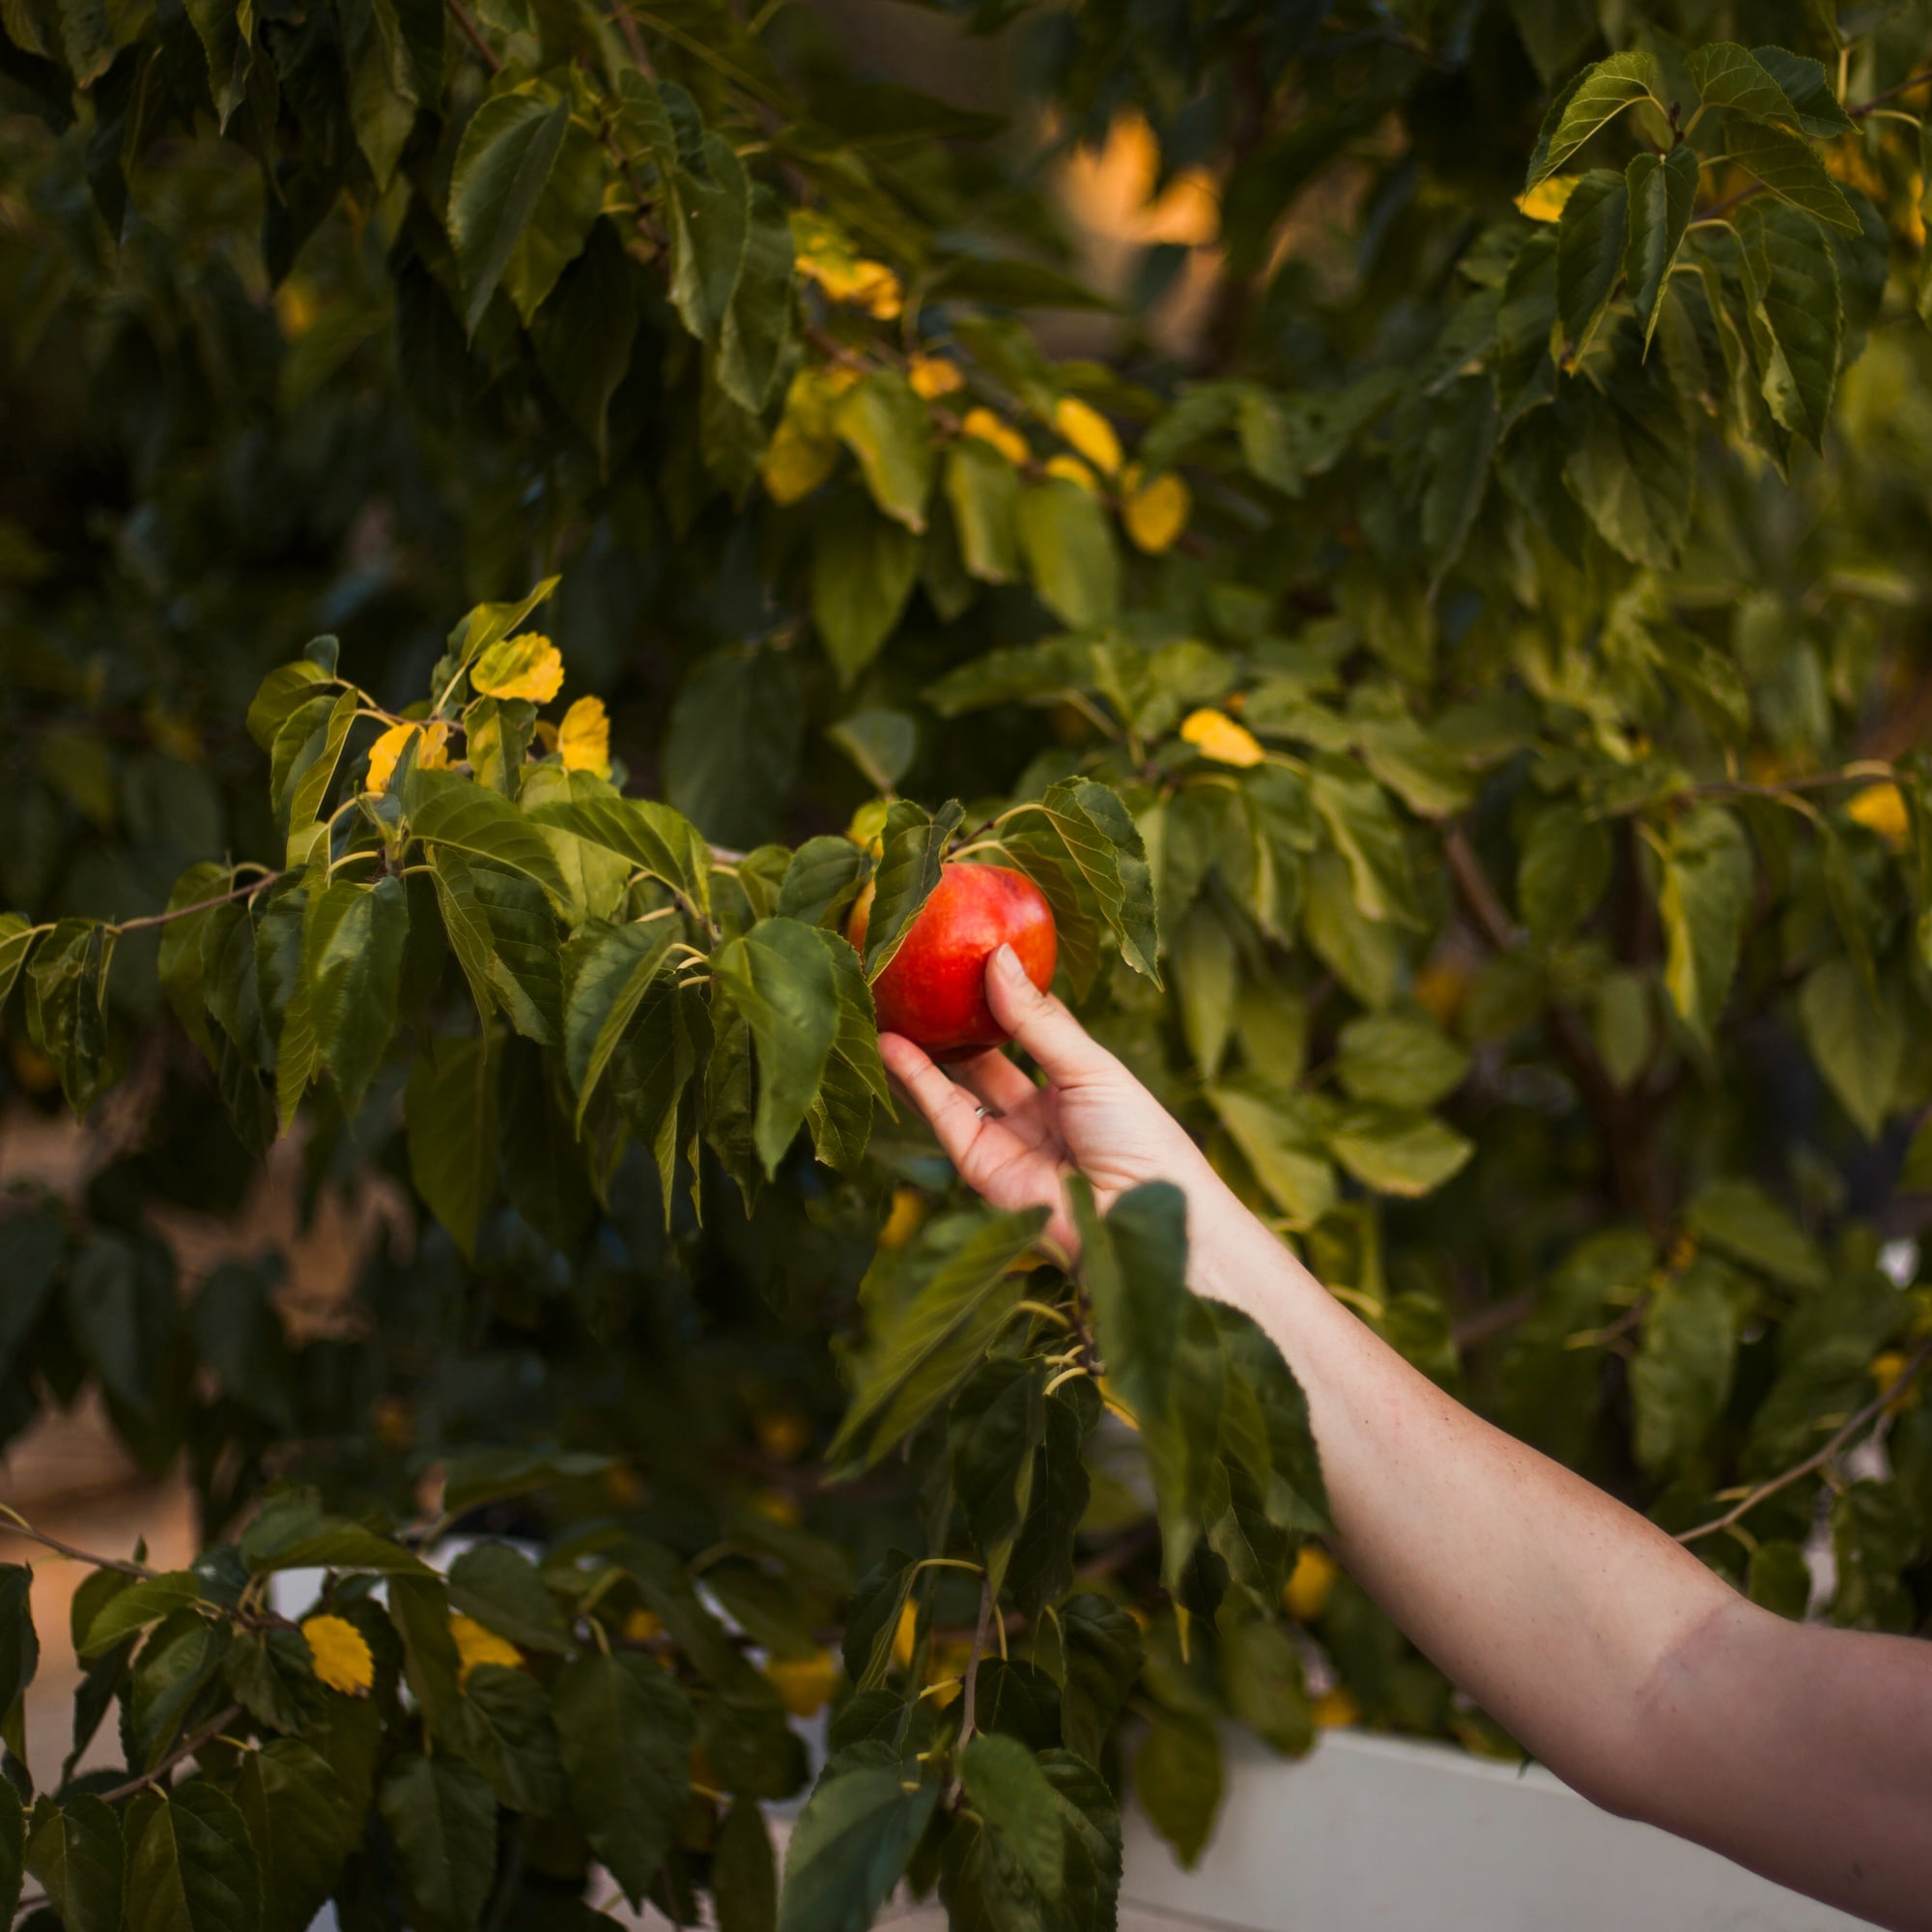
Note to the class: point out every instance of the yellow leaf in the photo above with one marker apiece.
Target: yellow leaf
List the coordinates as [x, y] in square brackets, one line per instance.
[1335, 1708]
[906, 1636]
[476, 1643]
[774, 1506]
[804, 1684]
[432, 753]
[1083, 426]
[1882, 807]
[825, 255]
[903, 1222]
[640, 1626]
[1306, 1593]
[1070, 469]
[803, 450]
[1215, 735]
[341, 1655]
[1157, 513]
[1547, 200]
[933, 376]
[1885, 1370]
[383, 753]
[584, 738]
[868, 825]
[1004, 437]
[526, 667]
[1115, 1405]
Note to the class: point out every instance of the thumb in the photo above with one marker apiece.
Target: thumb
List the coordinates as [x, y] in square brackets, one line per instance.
[1059, 1043]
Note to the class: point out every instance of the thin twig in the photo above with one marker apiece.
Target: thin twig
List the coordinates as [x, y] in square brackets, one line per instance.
[969, 1700]
[207, 1735]
[120, 928]
[473, 33]
[1872, 1409]
[22, 1527]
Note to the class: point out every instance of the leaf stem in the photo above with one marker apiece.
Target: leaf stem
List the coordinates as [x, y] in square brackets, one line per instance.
[168, 917]
[1800, 1470]
[969, 1697]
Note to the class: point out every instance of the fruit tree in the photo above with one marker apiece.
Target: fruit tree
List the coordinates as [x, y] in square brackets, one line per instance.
[1404, 522]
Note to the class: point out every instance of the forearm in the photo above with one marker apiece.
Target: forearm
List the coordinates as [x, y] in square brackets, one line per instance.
[1549, 1603]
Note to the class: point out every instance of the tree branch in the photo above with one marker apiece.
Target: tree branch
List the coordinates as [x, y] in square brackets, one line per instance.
[121, 927]
[473, 33]
[1799, 1471]
[22, 1527]
[968, 1708]
[207, 1735]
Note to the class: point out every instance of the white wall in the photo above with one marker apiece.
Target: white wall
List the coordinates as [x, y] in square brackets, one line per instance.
[1374, 1834]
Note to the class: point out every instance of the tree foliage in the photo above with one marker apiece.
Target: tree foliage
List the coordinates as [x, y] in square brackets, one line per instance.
[1462, 704]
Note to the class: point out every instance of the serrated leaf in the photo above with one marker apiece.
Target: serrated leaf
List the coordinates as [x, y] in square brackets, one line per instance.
[297, 1819]
[864, 568]
[885, 425]
[1705, 895]
[451, 1121]
[1682, 1374]
[1601, 92]
[504, 933]
[1401, 1058]
[1857, 1041]
[849, 1847]
[908, 872]
[984, 491]
[610, 970]
[1279, 1141]
[1071, 554]
[1661, 192]
[1727, 75]
[456, 812]
[1798, 314]
[1590, 248]
[353, 964]
[442, 1817]
[1788, 165]
[1006, 1785]
[1397, 1150]
[74, 1850]
[625, 1731]
[1079, 843]
[502, 167]
[782, 979]
[190, 1864]
[1809, 89]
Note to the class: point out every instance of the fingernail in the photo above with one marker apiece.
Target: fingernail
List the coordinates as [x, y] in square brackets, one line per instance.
[1007, 965]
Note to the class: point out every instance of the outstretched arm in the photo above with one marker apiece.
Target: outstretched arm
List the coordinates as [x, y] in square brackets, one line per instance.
[1617, 1657]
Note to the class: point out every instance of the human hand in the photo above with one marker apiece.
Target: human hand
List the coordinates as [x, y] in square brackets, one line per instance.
[1015, 1143]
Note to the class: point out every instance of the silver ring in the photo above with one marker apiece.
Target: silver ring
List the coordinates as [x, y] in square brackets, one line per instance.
[981, 1113]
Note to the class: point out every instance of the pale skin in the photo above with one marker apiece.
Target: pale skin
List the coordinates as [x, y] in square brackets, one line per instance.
[1621, 1663]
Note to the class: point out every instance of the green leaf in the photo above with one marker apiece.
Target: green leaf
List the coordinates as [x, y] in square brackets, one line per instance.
[609, 969]
[1207, 970]
[659, 1062]
[1103, 1656]
[1177, 1780]
[781, 976]
[824, 877]
[864, 568]
[1788, 165]
[442, 1817]
[1070, 549]
[450, 1119]
[1809, 89]
[13, 1852]
[983, 490]
[1661, 192]
[1727, 75]
[66, 981]
[744, 1874]
[915, 843]
[491, 623]
[298, 1820]
[1005, 1785]
[504, 1591]
[1363, 826]
[559, 223]
[650, 837]
[881, 743]
[1797, 314]
[190, 1864]
[1041, 1569]
[1279, 1140]
[1395, 1151]
[885, 425]
[1629, 461]
[1706, 894]
[456, 813]
[31, 1249]
[123, 1309]
[995, 1424]
[502, 1725]
[502, 168]
[1682, 1375]
[952, 1297]
[282, 693]
[1563, 869]
[383, 94]
[757, 333]
[74, 1850]
[17, 940]
[1404, 1059]
[1080, 845]
[584, 336]
[1739, 1219]
[873, 1619]
[1602, 93]
[1591, 243]
[1857, 1041]
[307, 750]
[849, 1847]
[352, 960]
[625, 1729]
[138, 1606]
[20, 1641]
[504, 933]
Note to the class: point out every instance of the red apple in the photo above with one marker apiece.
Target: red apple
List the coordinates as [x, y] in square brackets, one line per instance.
[934, 990]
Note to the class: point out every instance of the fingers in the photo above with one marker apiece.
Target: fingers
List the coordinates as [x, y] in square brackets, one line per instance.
[950, 1111]
[1003, 1087]
[1057, 1041]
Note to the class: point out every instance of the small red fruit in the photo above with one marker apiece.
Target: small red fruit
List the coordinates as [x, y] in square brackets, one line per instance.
[934, 989]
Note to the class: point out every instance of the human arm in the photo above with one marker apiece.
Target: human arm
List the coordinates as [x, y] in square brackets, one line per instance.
[1617, 1657]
